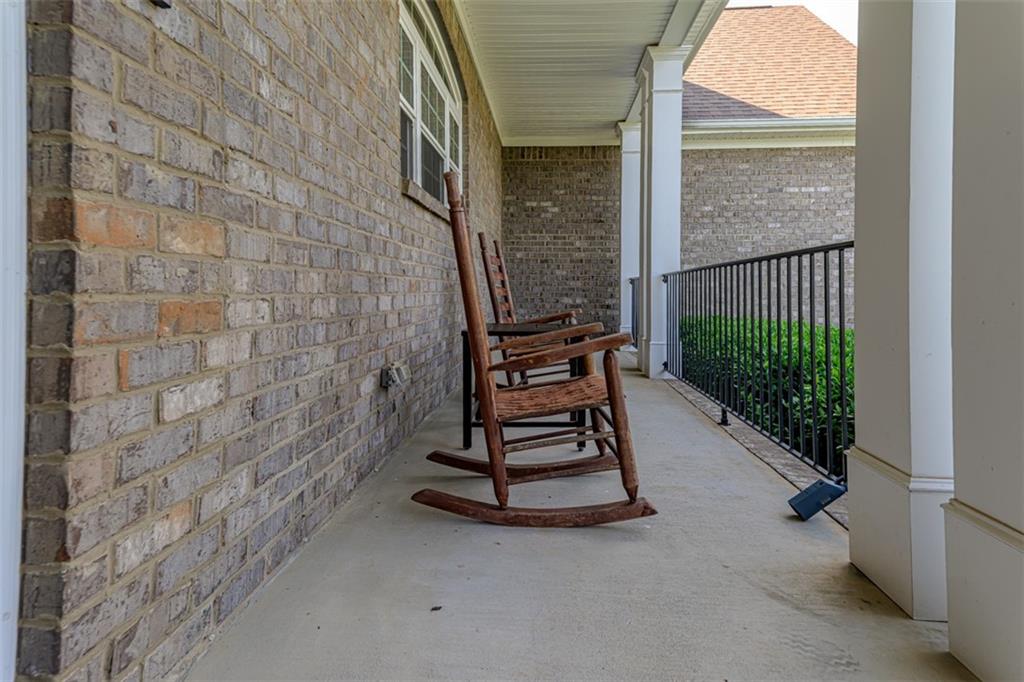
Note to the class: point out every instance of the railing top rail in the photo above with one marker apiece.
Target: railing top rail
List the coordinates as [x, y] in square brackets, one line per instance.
[834, 246]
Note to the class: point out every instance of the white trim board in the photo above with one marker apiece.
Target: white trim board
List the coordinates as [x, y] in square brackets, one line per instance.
[13, 188]
[775, 133]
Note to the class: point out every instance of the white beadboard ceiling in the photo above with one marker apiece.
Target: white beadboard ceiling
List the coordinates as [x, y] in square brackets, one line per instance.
[563, 72]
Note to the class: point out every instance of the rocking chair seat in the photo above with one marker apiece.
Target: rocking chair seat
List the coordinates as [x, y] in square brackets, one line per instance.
[557, 397]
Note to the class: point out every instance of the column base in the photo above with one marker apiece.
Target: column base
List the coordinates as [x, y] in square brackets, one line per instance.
[653, 356]
[896, 533]
[986, 593]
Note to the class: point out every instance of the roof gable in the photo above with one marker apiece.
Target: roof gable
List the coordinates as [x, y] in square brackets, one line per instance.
[771, 62]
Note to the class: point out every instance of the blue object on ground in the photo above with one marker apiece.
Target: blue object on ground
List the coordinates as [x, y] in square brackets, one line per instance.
[816, 497]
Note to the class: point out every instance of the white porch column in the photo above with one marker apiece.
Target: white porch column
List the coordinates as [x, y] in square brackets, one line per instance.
[985, 519]
[901, 470]
[661, 91]
[13, 221]
[629, 221]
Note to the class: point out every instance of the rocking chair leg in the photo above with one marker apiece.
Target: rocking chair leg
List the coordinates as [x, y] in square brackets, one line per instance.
[620, 419]
[499, 476]
[598, 423]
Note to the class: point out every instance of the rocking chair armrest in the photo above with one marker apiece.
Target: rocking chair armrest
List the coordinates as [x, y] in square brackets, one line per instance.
[554, 317]
[569, 332]
[547, 358]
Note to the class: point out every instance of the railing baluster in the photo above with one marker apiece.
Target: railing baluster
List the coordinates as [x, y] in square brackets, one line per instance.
[842, 351]
[789, 345]
[750, 342]
[814, 362]
[768, 364]
[778, 345]
[830, 462]
[800, 350]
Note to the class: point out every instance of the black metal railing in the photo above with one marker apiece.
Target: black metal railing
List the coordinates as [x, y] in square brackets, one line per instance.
[770, 339]
[634, 295]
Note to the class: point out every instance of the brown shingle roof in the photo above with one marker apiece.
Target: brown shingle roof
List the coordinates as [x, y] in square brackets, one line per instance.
[771, 62]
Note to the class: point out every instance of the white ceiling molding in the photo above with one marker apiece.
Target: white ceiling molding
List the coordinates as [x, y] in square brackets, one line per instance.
[598, 140]
[773, 133]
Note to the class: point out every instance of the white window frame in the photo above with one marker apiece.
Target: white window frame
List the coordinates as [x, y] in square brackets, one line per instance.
[453, 105]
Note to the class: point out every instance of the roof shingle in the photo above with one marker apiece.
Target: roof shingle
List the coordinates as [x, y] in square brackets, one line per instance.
[771, 62]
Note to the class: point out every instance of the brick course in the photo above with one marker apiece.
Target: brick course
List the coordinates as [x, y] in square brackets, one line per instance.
[221, 261]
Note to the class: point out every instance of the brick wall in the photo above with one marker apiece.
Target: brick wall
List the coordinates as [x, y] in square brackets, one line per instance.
[561, 230]
[739, 203]
[221, 260]
[561, 216]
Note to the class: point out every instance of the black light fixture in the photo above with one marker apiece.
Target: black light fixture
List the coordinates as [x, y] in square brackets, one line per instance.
[816, 497]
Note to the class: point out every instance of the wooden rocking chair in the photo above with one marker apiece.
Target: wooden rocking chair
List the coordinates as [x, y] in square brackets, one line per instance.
[601, 395]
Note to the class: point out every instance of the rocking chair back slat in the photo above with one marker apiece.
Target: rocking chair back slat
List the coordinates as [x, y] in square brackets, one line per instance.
[497, 282]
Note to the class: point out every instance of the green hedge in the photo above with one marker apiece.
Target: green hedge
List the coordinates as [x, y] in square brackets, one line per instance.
[739, 362]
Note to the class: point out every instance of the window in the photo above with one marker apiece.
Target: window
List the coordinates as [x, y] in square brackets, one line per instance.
[430, 108]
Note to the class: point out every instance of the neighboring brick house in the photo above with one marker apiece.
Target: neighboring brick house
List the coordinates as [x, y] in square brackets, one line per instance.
[768, 134]
[223, 255]
[768, 164]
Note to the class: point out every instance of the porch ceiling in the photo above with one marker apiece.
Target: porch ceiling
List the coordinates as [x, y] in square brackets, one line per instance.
[562, 72]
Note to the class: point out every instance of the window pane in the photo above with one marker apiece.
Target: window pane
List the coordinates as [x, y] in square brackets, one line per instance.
[453, 140]
[432, 108]
[407, 133]
[421, 27]
[432, 165]
[405, 70]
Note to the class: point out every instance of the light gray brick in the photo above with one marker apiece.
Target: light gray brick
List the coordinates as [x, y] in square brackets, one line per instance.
[155, 452]
[180, 401]
[145, 183]
[187, 153]
[96, 424]
[192, 553]
[145, 543]
[153, 364]
[184, 481]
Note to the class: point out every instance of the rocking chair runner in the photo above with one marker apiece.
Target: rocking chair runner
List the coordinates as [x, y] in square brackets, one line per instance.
[593, 392]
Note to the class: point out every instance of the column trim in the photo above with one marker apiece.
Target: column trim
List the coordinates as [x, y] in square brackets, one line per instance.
[915, 484]
[1008, 535]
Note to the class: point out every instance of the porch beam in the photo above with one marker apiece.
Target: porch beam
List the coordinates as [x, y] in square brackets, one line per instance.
[661, 114]
[901, 469]
[629, 219]
[985, 519]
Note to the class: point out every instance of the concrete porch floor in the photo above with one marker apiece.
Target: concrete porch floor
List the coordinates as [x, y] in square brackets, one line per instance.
[723, 584]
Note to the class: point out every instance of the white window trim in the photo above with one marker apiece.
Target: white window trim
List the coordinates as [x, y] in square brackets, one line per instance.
[13, 181]
[453, 105]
